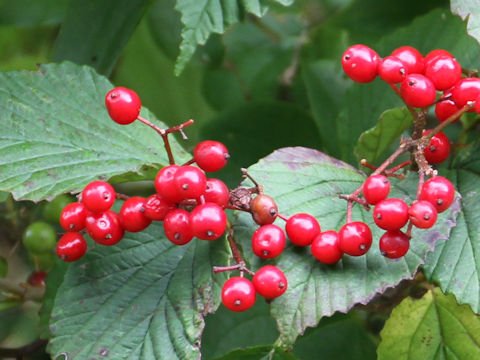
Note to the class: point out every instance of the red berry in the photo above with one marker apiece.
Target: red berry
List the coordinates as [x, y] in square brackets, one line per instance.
[165, 184]
[190, 182]
[123, 105]
[417, 91]
[438, 149]
[177, 228]
[73, 217]
[37, 278]
[268, 241]
[264, 209]
[71, 246]
[132, 214]
[446, 108]
[394, 244]
[438, 191]
[211, 155]
[360, 63]
[466, 91]
[326, 248]
[208, 221]
[104, 228]
[422, 214]
[411, 58]
[444, 71]
[392, 70]
[376, 189]
[217, 192]
[390, 214]
[238, 294]
[156, 207]
[355, 238]
[270, 282]
[98, 196]
[302, 229]
[433, 54]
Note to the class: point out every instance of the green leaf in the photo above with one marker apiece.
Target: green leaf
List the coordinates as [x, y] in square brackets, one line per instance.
[238, 329]
[305, 180]
[201, 18]
[326, 86]
[433, 327]
[278, 123]
[143, 298]
[341, 337]
[95, 32]
[455, 263]
[468, 10]
[373, 143]
[57, 136]
[258, 353]
[30, 13]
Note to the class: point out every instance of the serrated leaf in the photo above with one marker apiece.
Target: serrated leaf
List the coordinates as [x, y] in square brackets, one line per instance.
[95, 32]
[374, 142]
[258, 353]
[238, 329]
[30, 13]
[455, 263]
[339, 337]
[306, 180]
[433, 327]
[201, 18]
[57, 136]
[143, 298]
[468, 10]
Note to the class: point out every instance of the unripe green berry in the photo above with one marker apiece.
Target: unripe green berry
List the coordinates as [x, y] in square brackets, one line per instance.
[52, 210]
[39, 237]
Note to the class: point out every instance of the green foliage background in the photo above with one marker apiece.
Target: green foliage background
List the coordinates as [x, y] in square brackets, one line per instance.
[264, 77]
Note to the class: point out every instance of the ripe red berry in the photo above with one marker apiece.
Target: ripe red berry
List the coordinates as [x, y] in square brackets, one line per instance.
[394, 244]
[104, 228]
[376, 188]
[98, 196]
[433, 54]
[326, 248]
[438, 149]
[71, 246]
[466, 91]
[264, 209]
[302, 229]
[391, 214]
[123, 105]
[37, 278]
[238, 294]
[211, 155]
[446, 108]
[73, 217]
[268, 241]
[208, 221]
[444, 71]
[217, 192]
[270, 282]
[177, 228]
[355, 238]
[422, 214]
[156, 207]
[438, 191]
[360, 63]
[417, 91]
[165, 184]
[132, 214]
[190, 182]
[411, 58]
[392, 70]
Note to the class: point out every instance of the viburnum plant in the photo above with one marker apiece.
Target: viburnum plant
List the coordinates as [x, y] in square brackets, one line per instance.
[322, 203]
